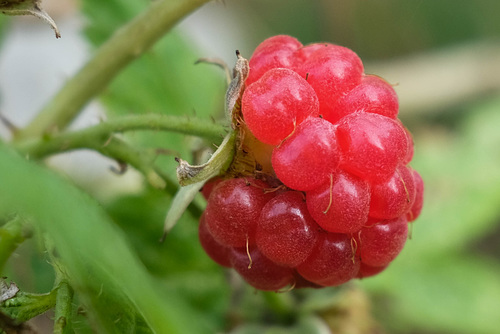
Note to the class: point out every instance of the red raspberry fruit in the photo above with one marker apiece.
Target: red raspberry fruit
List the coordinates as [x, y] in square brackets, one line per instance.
[372, 145]
[332, 71]
[286, 233]
[209, 186]
[394, 197]
[332, 262]
[309, 156]
[342, 205]
[419, 197]
[274, 52]
[373, 95]
[275, 104]
[259, 271]
[380, 243]
[217, 252]
[327, 138]
[233, 209]
[367, 271]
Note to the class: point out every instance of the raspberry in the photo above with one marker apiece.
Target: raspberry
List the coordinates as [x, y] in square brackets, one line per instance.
[274, 52]
[380, 243]
[233, 208]
[259, 271]
[419, 198]
[215, 250]
[373, 95]
[341, 205]
[286, 233]
[209, 186]
[367, 271]
[276, 103]
[308, 157]
[332, 261]
[394, 197]
[410, 148]
[302, 54]
[372, 145]
[320, 190]
[332, 71]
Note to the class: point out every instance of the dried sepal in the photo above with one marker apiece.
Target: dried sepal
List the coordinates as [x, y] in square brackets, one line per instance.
[220, 160]
[236, 88]
[7, 291]
[28, 7]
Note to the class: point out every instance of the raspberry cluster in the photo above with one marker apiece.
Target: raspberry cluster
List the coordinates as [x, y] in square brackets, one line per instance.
[341, 193]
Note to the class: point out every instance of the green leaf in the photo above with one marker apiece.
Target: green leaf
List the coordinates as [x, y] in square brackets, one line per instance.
[180, 262]
[104, 272]
[25, 306]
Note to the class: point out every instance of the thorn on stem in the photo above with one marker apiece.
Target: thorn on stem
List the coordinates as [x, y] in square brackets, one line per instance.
[122, 168]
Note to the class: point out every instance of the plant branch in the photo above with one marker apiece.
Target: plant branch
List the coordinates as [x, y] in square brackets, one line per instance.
[96, 136]
[12, 234]
[142, 160]
[63, 309]
[64, 292]
[123, 47]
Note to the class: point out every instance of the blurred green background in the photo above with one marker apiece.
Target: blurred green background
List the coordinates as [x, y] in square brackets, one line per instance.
[444, 58]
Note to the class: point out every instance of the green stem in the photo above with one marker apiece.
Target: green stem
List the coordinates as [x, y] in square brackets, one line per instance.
[63, 290]
[63, 310]
[123, 47]
[100, 138]
[97, 135]
[142, 160]
[12, 234]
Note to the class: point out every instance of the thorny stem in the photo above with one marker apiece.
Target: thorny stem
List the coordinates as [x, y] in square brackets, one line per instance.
[64, 292]
[98, 135]
[142, 160]
[63, 309]
[123, 47]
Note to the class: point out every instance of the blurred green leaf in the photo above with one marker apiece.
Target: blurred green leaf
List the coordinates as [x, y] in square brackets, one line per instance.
[179, 263]
[165, 80]
[103, 270]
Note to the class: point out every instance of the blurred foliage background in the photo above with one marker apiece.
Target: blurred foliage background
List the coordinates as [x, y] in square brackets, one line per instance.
[443, 56]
